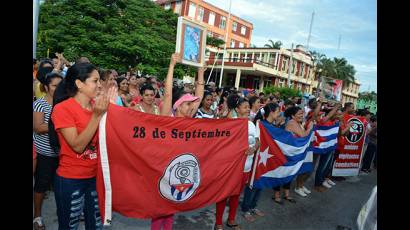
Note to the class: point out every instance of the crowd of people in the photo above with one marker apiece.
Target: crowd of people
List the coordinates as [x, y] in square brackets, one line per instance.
[70, 99]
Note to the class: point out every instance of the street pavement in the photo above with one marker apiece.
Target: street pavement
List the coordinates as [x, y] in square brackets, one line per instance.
[334, 209]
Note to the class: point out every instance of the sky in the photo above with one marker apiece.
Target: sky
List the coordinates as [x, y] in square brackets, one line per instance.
[289, 21]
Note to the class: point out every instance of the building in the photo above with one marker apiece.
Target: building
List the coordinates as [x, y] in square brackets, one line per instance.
[262, 67]
[214, 19]
[350, 92]
[257, 68]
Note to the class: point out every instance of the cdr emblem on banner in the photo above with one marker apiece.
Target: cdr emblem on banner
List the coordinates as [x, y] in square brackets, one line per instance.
[181, 178]
[356, 130]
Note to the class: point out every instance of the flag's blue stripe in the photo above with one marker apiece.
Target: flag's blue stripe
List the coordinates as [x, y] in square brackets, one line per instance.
[325, 127]
[306, 167]
[286, 136]
[330, 137]
[269, 182]
[295, 159]
[322, 151]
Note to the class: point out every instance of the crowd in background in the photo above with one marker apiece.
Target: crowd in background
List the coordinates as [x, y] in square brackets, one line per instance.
[70, 98]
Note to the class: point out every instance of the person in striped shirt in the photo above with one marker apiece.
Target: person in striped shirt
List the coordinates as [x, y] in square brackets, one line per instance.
[205, 110]
[47, 158]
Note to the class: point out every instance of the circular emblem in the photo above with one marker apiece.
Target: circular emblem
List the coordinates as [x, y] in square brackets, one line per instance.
[356, 130]
[181, 178]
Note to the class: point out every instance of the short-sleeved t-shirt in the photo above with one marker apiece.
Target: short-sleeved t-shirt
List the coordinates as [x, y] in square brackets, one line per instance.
[73, 165]
[42, 141]
[252, 135]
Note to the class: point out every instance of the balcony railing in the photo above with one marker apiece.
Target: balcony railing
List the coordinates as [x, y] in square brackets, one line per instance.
[241, 60]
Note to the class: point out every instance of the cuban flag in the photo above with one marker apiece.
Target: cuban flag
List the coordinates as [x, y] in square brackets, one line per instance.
[325, 138]
[294, 149]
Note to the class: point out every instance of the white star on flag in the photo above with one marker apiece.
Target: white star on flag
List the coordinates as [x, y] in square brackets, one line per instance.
[265, 156]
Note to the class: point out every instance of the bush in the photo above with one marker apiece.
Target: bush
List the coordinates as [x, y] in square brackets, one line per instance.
[285, 92]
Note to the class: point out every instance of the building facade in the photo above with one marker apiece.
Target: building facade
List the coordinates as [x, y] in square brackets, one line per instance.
[214, 19]
[263, 67]
[257, 68]
[350, 92]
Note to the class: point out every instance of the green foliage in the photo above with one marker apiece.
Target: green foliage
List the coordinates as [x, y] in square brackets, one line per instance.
[215, 42]
[273, 45]
[285, 92]
[336, 68]
[113, 34]
[368, 96]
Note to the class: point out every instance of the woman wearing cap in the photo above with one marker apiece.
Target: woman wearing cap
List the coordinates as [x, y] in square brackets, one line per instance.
[185, 105]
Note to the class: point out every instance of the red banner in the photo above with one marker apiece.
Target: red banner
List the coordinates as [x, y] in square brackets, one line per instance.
[350, 147]
[152, 166]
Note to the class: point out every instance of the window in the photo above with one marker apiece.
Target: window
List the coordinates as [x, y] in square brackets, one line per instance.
[211, 20]
[256, 83]
[234, 25]
[220, 56]
[200, 14]
[268, 83]
[192, 10]
[232, 43]
[302, 67]
[167, 6]
[281, 83]
[243, 30]
[241, 45]
[235, 57]
[242, 82]
[222, 24]
[284, 64]
[249, 58]
[178, 7]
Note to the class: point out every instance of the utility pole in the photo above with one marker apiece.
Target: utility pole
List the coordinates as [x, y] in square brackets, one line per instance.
[290, 65]
[36, 10]
[310, 31]
[226, 41]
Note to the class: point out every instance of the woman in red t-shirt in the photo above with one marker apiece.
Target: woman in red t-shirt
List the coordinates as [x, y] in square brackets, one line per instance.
[79, 105]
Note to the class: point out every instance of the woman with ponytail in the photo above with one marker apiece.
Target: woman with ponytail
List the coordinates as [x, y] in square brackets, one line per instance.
[46, 157]
[79, 103]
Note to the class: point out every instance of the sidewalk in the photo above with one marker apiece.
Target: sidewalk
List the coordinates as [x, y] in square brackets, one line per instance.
[339, 206]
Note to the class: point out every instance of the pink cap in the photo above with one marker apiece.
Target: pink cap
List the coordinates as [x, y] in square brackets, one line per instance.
[184, 98]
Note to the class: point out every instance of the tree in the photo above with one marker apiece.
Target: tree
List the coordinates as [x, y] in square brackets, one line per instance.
[316, 57]
[285, 92]
[215, 42]
[273, 45]
[368, 96]
[338, 68]
[111, 33]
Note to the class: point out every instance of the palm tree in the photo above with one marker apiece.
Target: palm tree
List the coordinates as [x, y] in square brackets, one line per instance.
[273, 45]
[343, 70]
[316, 57]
